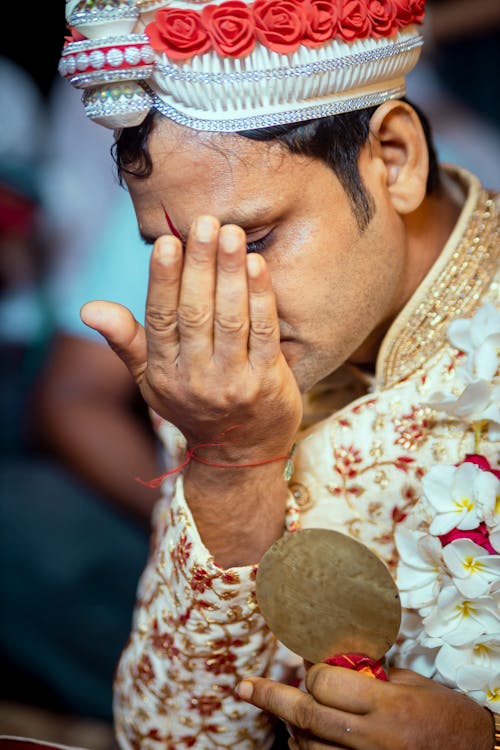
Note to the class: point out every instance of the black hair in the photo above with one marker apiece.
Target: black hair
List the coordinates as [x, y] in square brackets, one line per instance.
[335, 140]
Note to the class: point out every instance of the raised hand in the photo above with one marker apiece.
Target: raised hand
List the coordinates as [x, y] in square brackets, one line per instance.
[209, 361]
[209, 357]
[343, 708]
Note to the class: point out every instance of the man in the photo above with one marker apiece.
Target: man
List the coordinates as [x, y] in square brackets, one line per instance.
[299, 226]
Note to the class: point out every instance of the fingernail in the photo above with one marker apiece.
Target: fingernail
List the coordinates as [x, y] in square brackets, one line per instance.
[254, 263]
[245, 690]
[204, 228]
[230, 239]
[166, 250]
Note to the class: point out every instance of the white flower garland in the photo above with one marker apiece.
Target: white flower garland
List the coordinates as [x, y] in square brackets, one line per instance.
[449, 566]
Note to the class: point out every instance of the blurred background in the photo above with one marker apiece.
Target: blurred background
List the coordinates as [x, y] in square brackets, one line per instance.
[74, 524]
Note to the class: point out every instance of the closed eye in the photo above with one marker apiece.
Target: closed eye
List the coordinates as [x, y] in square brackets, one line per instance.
[258, 246]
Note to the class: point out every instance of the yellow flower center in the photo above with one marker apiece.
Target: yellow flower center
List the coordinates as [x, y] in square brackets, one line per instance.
[464, 504]
[497, 504]
[481, 650]
[493, 695]
[472, 565]
[466, 609]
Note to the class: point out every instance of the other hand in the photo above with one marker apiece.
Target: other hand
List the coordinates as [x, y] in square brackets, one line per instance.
[343, 708]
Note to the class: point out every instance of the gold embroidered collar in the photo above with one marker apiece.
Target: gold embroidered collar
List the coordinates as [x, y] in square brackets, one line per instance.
[452, 288]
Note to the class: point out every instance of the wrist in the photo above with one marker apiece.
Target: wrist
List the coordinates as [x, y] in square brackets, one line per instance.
[239, 513]
[258, 478]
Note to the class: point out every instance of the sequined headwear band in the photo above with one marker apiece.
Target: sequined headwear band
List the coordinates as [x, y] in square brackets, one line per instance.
[236, 65]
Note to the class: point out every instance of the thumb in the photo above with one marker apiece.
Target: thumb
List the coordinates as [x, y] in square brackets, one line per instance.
[125, 336]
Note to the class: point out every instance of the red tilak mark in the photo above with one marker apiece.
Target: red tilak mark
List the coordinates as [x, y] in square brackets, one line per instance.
[170, 224]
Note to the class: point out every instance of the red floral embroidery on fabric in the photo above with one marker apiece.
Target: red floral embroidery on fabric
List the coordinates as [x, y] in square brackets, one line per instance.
[163, 642]
[206, 705]
[200, 580]
[398, 515]
[346, 458]
[364, 405]
[179, 33]
[412, 428]
[184, 617]
[231, 28]
[230, 577]
[222, 663]
[223, 644]
[144, 669]
[182, 551]
[403, 462]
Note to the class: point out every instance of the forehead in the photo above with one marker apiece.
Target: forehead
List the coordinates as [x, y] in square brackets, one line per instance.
[226, 175]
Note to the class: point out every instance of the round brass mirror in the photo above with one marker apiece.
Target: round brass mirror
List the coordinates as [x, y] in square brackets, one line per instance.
[323, 593]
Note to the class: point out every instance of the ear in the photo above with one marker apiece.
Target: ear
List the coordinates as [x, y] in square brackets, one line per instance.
[400, 141]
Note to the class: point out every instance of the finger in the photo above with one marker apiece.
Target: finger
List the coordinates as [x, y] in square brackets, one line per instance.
[231, 320]
[344, 689]
[299, 709]
[264, 338]
[122, 332]
[161, 305]
[197, 292]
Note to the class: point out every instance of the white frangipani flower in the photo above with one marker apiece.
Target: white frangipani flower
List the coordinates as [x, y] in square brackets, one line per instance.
[483, 652]
[460, 496]
[413, 655]
[459, 620]
[472, 567]
[479, 338]
[481, 684]
[478, 403]
[421, 571]
[452, 588]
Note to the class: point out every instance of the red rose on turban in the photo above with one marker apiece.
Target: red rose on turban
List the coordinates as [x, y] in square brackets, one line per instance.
[417, 9]
[354, 22]
[382, 14]
[279, 24]
[321, 23]
[178, 33]
[404, 15]
[230, 27]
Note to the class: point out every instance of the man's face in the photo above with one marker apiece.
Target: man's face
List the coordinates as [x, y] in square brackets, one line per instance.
[336, 287]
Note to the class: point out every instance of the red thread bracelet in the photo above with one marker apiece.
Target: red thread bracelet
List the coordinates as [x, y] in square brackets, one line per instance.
[192, 456]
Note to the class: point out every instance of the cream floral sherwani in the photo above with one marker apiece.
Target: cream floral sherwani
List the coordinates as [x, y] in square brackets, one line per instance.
[196, 628]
